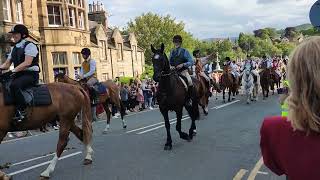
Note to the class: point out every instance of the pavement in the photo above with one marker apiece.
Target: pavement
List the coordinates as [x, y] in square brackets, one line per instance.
[226, 147]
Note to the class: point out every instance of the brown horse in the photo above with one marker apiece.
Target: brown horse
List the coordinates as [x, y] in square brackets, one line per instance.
[275, 80]
[66, 102]
[112, 97]
[266, 82]
[226, 81]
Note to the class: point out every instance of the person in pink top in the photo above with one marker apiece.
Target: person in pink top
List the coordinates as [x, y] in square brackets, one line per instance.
[291, 145]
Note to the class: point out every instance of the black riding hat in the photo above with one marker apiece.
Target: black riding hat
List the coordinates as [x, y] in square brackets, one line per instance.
[177, 38]
[20, 28]
[86, 51]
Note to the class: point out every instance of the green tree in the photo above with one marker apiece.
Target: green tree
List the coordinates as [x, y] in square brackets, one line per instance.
[154, 29]
[285, 47]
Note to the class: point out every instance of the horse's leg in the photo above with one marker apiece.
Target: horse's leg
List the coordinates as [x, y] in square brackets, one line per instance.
[2, 135]
[223, 94]
[229, 93]
[168, 145]
[65, 126]
[108, 113]
[182, 134]
[122, 110]
[89, 151]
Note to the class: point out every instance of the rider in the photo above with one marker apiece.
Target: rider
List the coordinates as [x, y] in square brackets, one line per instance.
[88, 71]
[252, 65]
[234, 69]
[25, 58]
[200, 63]
[181, 59]
[265, 63]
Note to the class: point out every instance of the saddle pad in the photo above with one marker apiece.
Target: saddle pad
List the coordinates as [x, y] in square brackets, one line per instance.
[101, 88]
[35, 96]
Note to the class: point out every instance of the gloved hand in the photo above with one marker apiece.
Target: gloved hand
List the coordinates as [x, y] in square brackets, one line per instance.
[180, 66]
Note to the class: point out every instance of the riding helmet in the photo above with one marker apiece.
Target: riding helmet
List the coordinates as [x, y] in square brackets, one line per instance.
[195, 52]
[177, 38]
[20, 28]
[86, 51]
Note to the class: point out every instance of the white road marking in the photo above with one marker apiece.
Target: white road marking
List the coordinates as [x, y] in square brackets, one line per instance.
[264, 173]
[152, 125]
[240, 174]
[42, 164]
[155, 128]
[255, 170]
[224, 105]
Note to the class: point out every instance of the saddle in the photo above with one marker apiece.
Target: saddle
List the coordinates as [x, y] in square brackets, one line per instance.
[38, 95]
[100, 88]
[184, 81]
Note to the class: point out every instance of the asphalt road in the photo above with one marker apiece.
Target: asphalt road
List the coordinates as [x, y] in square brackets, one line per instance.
[226, 147]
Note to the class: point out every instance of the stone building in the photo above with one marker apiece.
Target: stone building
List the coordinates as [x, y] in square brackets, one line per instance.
[61, 28]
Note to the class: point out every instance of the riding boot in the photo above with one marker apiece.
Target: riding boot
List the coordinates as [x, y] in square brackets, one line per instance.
[95, 96]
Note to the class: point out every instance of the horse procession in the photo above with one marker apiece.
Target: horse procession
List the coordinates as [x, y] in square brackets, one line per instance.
[27, 105]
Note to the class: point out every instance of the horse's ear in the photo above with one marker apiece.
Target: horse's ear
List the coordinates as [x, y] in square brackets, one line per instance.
[162, 47]
[153, 49]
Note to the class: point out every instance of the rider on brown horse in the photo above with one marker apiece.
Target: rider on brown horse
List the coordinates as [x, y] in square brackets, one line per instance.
[200, 63]
[181, 59]
[234, 69]
[25, 58]
[88, 72]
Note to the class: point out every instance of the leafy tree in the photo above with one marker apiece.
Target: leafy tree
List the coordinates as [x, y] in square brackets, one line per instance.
[154, 29]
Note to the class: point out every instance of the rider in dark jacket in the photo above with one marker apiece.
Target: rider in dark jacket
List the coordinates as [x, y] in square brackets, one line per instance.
[25, 58]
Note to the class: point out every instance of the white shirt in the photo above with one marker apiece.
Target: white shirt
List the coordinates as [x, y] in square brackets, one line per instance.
[30, 50]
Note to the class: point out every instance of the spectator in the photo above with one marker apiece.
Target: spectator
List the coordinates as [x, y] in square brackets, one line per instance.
[140, 97]
[290, 145]
[133, 98]
[124, 95]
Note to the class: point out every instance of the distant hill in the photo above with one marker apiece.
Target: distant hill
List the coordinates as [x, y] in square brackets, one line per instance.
[233, 39]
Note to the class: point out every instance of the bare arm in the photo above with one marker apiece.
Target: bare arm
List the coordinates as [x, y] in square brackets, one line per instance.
[6, 65]
[27, 62]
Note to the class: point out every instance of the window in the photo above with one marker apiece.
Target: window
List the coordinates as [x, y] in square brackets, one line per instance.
[54, 15]
[60, 70]
[76, 58]
[119, 52]
[72, 18]
[103, 50]
[6, 10]
[121, 74]
[59, 58]
[81, 20]
[80, 3]
[105, 76]
[19, 11]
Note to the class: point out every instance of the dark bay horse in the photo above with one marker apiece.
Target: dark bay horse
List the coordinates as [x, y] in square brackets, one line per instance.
[265, 82]
[112, 97]
[171, 96]
[226, 81]
[275, 80]
[67, 101]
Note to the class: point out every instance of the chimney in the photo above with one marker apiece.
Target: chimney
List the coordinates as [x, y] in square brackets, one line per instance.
[98, 6]
[99, 15]
[93, 7]
[90, 8]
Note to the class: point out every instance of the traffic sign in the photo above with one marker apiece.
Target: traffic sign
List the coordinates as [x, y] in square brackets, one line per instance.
[314, 14]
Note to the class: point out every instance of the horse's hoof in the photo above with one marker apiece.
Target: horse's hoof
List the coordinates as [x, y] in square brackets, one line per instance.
[125, 127]
[87, 162]
[167, 147]
[105, 132]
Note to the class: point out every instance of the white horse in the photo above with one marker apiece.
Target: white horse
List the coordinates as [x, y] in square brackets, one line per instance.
[250, 87]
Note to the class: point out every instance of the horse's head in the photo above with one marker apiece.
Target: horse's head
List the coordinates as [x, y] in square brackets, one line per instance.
[160, 62]
[60, 77]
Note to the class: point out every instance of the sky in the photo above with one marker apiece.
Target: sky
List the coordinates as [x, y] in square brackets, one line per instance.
[215, 18]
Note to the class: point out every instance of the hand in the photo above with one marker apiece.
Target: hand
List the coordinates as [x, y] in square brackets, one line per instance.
[180, 66]
[172, 68]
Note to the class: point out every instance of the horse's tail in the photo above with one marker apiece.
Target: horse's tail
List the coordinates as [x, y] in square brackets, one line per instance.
[86, 118]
